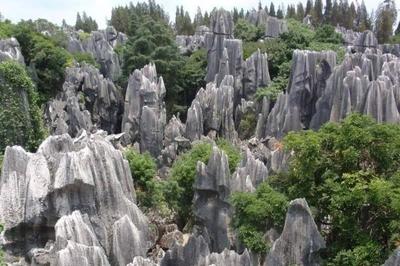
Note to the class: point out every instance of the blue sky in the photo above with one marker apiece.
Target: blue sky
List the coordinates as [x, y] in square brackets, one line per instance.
[56, 10]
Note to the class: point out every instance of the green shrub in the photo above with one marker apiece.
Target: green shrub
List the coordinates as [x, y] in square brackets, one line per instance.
[247, 31]
[326, 33]
[20, 122]
[254, 213]
[231, 151]
[6, 30]
[273, 90]
[365, 255]
[87, 58]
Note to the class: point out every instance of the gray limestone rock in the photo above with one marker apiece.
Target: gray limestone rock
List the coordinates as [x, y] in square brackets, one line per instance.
[10, 50]
[300, 240]
[211, 206]
[101, 45]
[255, 74]
[144, 116]
[88, 101]
[188, 44]
[394, 259]
[140, 261]
[78, 192]
[294, 109]
[273, 26]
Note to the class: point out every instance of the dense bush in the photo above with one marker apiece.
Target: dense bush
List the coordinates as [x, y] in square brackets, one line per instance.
[327, 34]
[20, 121]
[247, 31]
[349, 172]
[256, 212]
[247, 125]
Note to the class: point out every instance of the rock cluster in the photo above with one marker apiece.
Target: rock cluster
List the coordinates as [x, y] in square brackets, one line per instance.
[10, 50]
[255, 73]
[100, 44]
[365, 83]
[212, 110]
[144, 116]
[187, 44]
[87, 101]
[77, 193]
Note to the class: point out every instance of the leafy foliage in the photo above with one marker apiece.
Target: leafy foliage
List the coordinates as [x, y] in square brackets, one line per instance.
[85, 23]
[20, 121]
[247, 125]
[47, 60]
[87, 58]
[254, 212]
[349, 172]
[247, 31]
[327, 34]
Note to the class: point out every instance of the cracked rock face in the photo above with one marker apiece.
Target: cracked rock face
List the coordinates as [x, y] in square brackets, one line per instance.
[273, 26]
[101, 45]
[255, 74]
[76, 192]
[188, 44]
[144, 116]
[88, 101]
[394, 259]
[10, 50]
[300, 240]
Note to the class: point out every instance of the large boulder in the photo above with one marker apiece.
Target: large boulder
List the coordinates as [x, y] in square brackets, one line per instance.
[300, 240]
[76, 192]
[87, 101]
[394, 259]
[144, 116]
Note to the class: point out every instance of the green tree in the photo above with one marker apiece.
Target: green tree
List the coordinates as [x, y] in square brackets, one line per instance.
[272, 10]
[279, 13]
[247, 31]
[386, 16]
[328, 11]
[317, 12]
[254, 213]
[349, 173]
[300, 13]
[309, 7]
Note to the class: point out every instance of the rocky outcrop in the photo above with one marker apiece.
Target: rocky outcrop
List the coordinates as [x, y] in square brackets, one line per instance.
[144, 116]
[212, 110]
[255, 74]
[10, 50]
[358, 41]
[294, 109]
[76, 192]
[188, 44]
[300, 240]
[100, 44]
[249, 174]
[221, 27]
[365, 83]
[211, 206]
[87, 101]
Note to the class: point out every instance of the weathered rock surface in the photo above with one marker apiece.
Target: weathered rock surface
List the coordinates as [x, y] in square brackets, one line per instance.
[87, 101]
[212, 110]
[10, 50]
[300, 240]
[365, 83]
[358, 41]
[255, 74]
[144, 116]
[101, 45]
[294, 109]
[78, 192]
[211, 206]
[226, 257]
